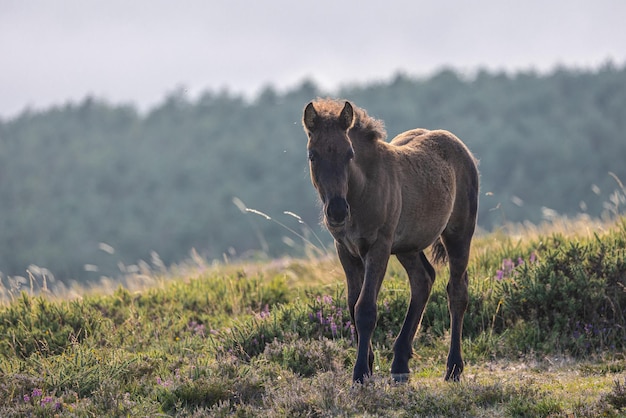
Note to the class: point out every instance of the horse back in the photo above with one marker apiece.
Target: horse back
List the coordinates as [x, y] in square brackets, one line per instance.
[434, 150]
[443, 176]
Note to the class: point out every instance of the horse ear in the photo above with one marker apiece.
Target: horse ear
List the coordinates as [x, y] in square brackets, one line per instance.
[346, 117]
[310, 116]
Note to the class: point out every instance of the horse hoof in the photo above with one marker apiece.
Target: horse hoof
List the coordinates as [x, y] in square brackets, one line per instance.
[400, 377]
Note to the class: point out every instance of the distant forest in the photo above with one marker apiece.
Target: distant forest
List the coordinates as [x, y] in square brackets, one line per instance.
[98, 184]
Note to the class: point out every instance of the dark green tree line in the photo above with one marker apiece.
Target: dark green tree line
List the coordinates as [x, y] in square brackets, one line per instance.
[74, 176]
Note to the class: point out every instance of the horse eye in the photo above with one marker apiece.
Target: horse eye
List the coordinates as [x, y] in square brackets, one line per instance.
[311, 156]
[350, 154]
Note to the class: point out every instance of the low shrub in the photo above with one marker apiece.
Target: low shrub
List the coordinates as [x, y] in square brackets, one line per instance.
[572, 299]
[307, 357]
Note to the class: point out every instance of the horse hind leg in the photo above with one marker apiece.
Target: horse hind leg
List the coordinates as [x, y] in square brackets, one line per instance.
[421, 278]
[458, 299]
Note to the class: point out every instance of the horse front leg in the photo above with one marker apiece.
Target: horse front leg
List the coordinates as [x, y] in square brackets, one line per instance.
[365, 311]
[355, 272]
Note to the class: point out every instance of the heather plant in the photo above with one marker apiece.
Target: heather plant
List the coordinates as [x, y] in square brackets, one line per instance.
[617, 396]
[322, 317]
[573, 299]
[307, 357]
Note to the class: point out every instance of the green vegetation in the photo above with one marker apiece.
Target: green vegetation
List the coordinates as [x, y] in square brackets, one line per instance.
[544, 336]
[76, 176]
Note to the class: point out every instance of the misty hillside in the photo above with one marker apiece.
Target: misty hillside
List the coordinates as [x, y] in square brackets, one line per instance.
[77, 176]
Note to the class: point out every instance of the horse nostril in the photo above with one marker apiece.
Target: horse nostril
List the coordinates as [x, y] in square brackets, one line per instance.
[337, 210]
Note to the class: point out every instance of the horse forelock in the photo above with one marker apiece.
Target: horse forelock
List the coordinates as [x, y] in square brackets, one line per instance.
[364, 124]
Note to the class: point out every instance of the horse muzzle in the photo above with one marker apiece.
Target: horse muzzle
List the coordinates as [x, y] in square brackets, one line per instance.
[337, 211]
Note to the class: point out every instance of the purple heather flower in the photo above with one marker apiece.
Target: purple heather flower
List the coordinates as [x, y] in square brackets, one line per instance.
[327, 299]
[508, 265]
[26, 398]
[333, 328]
[265, 312]
[37, 392]
[499, 275]
[320, 317]
[533, 258]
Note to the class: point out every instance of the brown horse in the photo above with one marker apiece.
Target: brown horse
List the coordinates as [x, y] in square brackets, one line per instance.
[397, 198]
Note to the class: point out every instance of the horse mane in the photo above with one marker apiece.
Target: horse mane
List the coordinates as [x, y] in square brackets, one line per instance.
[365, 125]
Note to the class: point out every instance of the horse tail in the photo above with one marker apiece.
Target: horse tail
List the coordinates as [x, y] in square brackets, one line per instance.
[440, 255]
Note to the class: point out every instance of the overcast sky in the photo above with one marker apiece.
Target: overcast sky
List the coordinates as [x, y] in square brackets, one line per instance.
[136, 51]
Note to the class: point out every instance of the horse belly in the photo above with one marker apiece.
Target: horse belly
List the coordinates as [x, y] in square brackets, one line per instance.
[421, 223]
[415, 239]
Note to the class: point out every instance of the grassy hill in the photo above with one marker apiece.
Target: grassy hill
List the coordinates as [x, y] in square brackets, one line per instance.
[544, 335]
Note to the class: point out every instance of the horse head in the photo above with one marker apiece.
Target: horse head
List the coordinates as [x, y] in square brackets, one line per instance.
[330, 154]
